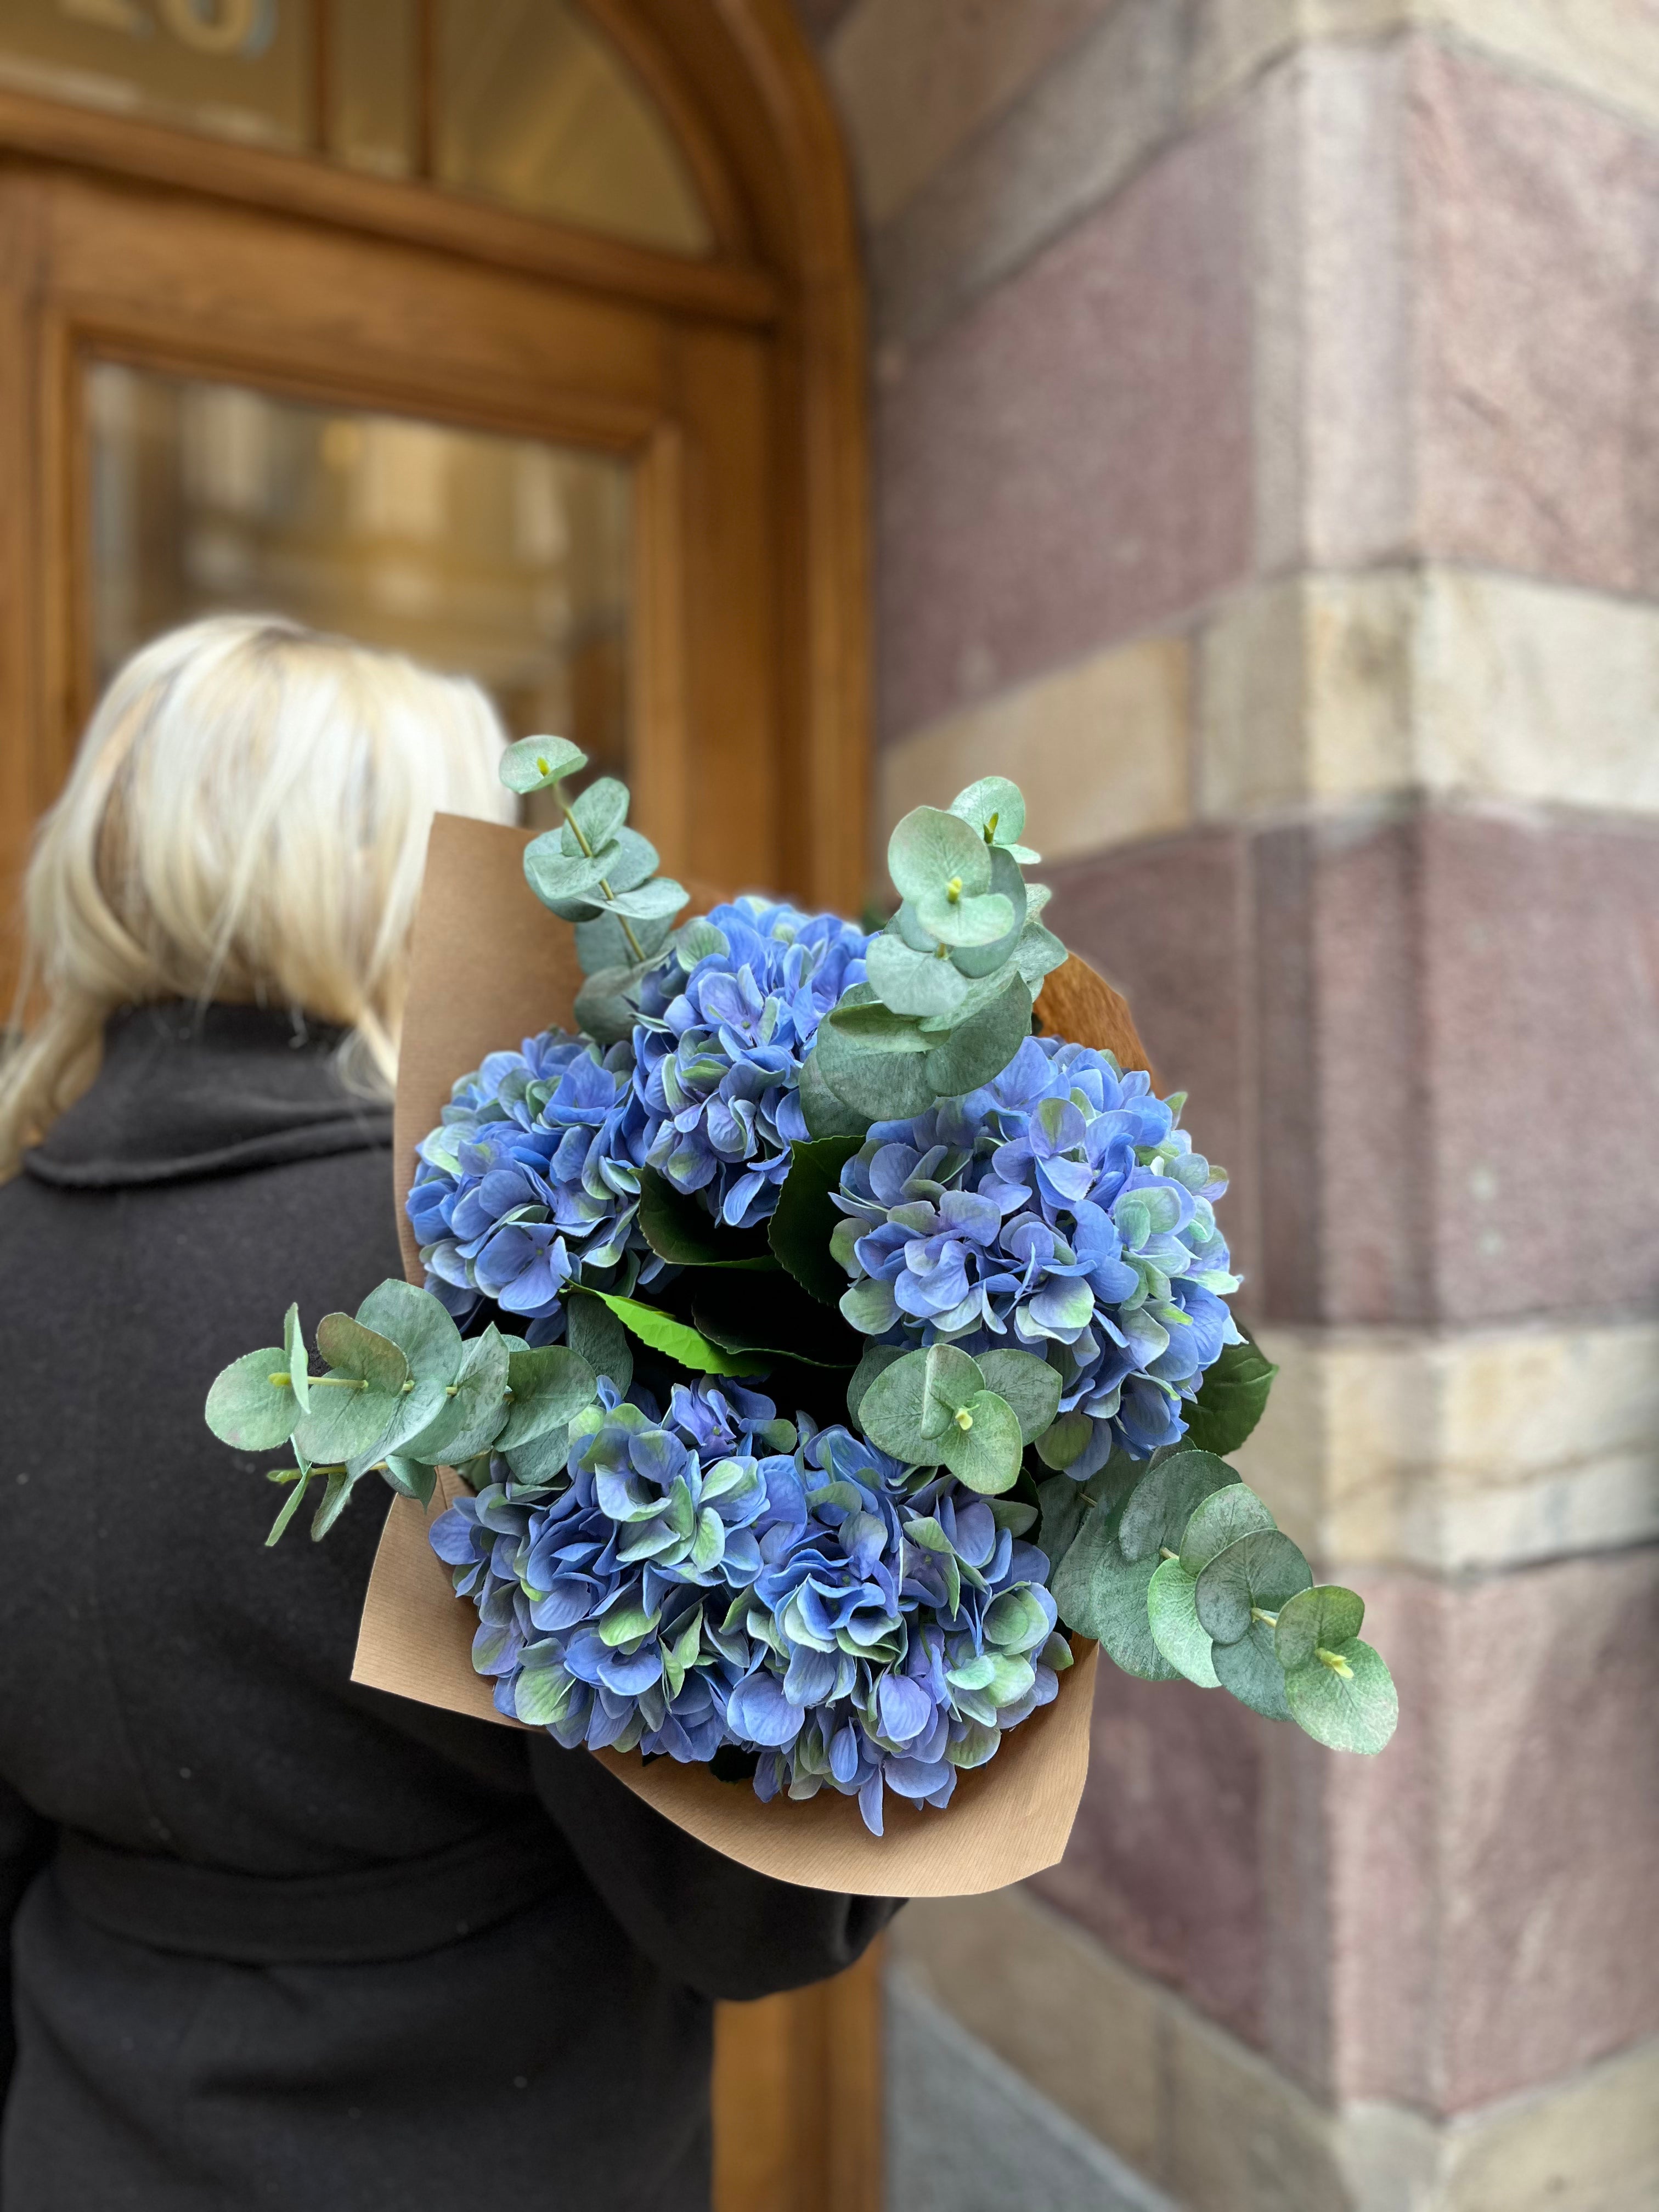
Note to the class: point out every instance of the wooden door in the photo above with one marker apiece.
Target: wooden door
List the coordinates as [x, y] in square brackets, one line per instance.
[728, 383]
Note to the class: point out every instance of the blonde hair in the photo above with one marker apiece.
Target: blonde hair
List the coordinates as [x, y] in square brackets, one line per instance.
[247, 818]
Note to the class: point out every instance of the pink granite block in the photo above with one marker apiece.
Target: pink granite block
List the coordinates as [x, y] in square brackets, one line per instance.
[1168, 924]
[1533, 215]
[1492, 1870]
[1165, 1863]
[1070, 461]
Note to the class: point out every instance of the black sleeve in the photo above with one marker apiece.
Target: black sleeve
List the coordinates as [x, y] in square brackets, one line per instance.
[25, 1846]
[704, 1919]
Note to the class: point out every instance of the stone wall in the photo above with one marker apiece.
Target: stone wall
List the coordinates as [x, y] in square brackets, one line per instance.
[1267, 476]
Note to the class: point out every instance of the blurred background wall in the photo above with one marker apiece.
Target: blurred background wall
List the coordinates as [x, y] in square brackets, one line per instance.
[1266, 474]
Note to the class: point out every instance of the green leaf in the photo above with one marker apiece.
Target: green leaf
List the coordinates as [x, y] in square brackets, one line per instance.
[1063, 1507]
[291, 1505]
[344, 1422]
[985, 1452]
[1346, 1700]
[600, 944]
[906, 1409]
[294, 1354]
[866, 1026]
[1328, 1615]
[469, 1422]
[825, 1115]
[1223, 1517]
[966, 921]
[1164, 1499]
[1101, 1593]
[911, 982]
[1064, 1440]
[677, 1340]
[554, 875]
[600, 811]
[1173, 1619]
[877, 1358]
[409, 1479]
[607, 1004]
[551, 1385]
[983, 960]
[534, 763]
[1030, 1385]
[805, 1216]
[696, 940]
[878, 1086]
[678, 1228]
[1230, 1399]
[1038, 953]
[930, 849]
[337, 1496]
[592, 1330]
[995, 807]
[429, 1341]
[651, 902]
[249, 1411]
[1255, 1575]
[978, 1052]
[1249, 1671]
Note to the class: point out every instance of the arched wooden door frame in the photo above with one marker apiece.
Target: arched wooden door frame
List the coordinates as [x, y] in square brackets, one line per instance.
[798, 2086]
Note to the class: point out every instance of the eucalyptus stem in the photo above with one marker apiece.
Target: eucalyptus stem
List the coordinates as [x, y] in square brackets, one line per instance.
[558, 792]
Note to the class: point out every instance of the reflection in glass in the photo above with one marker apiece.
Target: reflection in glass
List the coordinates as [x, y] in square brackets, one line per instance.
[503, 557]
[535, 107]
[371, 73]
[239, 68]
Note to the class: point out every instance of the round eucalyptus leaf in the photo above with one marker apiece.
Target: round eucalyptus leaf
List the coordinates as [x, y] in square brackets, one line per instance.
[554, 874]
[600, 811]
[1257, 1574]
[551, 1385]
[1219, 1520]
[877, 1358]
[651, 902]
[1346, 1701]
[534, 763]
[1101, 1593]
[1172, 1617]
[1064, 1508]
[1030, 1385]
[420, 1327]
[1231, 1398]
[981, 1048]
[825, 1115]
[995, 807]
[1249, 1671]
[247, 1409]
[1064, 1440]
[906, 1410]
[930, 850]
[882, 1086]
[470, 1421]
[980, 960]
[982, 1444]
[956, 919]
[294, 1359]
[1164, 1499]
[913, 983]
[362, 1353]
[1325, 1616]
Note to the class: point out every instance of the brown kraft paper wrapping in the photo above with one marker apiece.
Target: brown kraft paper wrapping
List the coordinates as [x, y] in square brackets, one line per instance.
[490, 966]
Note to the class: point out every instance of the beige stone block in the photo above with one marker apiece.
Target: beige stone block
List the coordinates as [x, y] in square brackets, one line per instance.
[1478, 1449]
[1099, 750]
[1591, 2144]
[1238, 2136]
[1533, 691]
[1608, 49]
[1052, 2004]
[916, 78]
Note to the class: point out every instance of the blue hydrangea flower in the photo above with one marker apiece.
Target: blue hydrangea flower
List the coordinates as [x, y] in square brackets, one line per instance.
[689, 1584]
[533, 1176]
[720, 1050]
[1060, 1211]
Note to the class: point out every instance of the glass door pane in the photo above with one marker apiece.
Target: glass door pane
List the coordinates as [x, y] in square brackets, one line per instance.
[507, 559]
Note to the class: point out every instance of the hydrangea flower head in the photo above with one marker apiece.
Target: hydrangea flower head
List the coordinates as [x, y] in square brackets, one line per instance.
[1058, 1211]
[719, 1049]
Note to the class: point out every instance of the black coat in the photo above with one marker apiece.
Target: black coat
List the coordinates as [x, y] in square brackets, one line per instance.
[235, 1879]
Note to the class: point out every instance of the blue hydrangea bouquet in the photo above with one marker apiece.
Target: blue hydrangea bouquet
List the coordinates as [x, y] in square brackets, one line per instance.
[813, 1351]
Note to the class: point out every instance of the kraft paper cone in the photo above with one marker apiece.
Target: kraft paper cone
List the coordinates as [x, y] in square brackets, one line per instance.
[491, 966]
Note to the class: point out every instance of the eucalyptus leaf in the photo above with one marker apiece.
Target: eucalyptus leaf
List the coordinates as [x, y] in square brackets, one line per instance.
[995, 807]
[535, 762]
[870, 1027]
[1326, 1616]
[1231, 1398]
[930, 850]
[551, 1385]
[878, 1086]
[982, 1444]
[1164, 1499]
[1101, 1593]
[906, 1409]
[1030, 1385]
[600, 811]
[409, 1478]
[652, 901]
[470, 1421]
[911, 982]
[361, 1400]
[337, 1496]
[877, 1358]
[607, 1004]
[413, 1321]
[1255, 1575]
[824, 1113]
[248, 1408]
[980, 960]
[956, 919]
[294, 1356]
[1064, 1440]
[977, 1053]
[556, 875]
[1172, 1617]
[1222, 1518]
[1249, 1671]
[1346, 1700]
[1064, 1508]
[601, 943]
[291, 1505]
